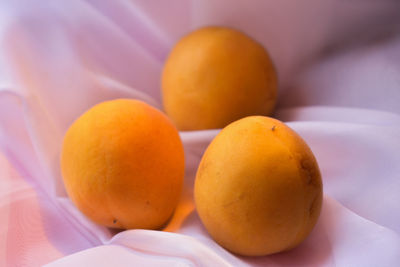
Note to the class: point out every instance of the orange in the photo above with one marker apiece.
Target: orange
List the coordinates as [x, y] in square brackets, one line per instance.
[122, 164]
[216, 75]
[258, 188]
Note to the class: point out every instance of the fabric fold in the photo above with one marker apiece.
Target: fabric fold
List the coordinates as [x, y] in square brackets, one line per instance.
[338, 89]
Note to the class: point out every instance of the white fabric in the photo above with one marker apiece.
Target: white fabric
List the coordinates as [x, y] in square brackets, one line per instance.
[339, 69]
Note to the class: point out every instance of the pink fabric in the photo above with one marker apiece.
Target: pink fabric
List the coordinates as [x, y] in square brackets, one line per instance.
[339, 69]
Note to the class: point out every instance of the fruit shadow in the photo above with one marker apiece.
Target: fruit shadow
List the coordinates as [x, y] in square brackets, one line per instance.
[316, 250]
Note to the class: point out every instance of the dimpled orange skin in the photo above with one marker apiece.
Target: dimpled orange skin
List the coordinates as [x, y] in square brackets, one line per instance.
[123, 165]
[216, 75]
[258, 188]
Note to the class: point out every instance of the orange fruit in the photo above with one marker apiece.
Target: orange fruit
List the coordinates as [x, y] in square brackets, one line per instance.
[122, 164]
[216, 75]
[258, 188]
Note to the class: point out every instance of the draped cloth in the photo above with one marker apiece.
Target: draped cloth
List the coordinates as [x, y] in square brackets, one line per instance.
[339, 87]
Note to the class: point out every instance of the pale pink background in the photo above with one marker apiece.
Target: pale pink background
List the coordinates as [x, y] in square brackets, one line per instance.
[339, 68]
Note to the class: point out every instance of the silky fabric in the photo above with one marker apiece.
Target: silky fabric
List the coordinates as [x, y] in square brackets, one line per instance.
[339, 87]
